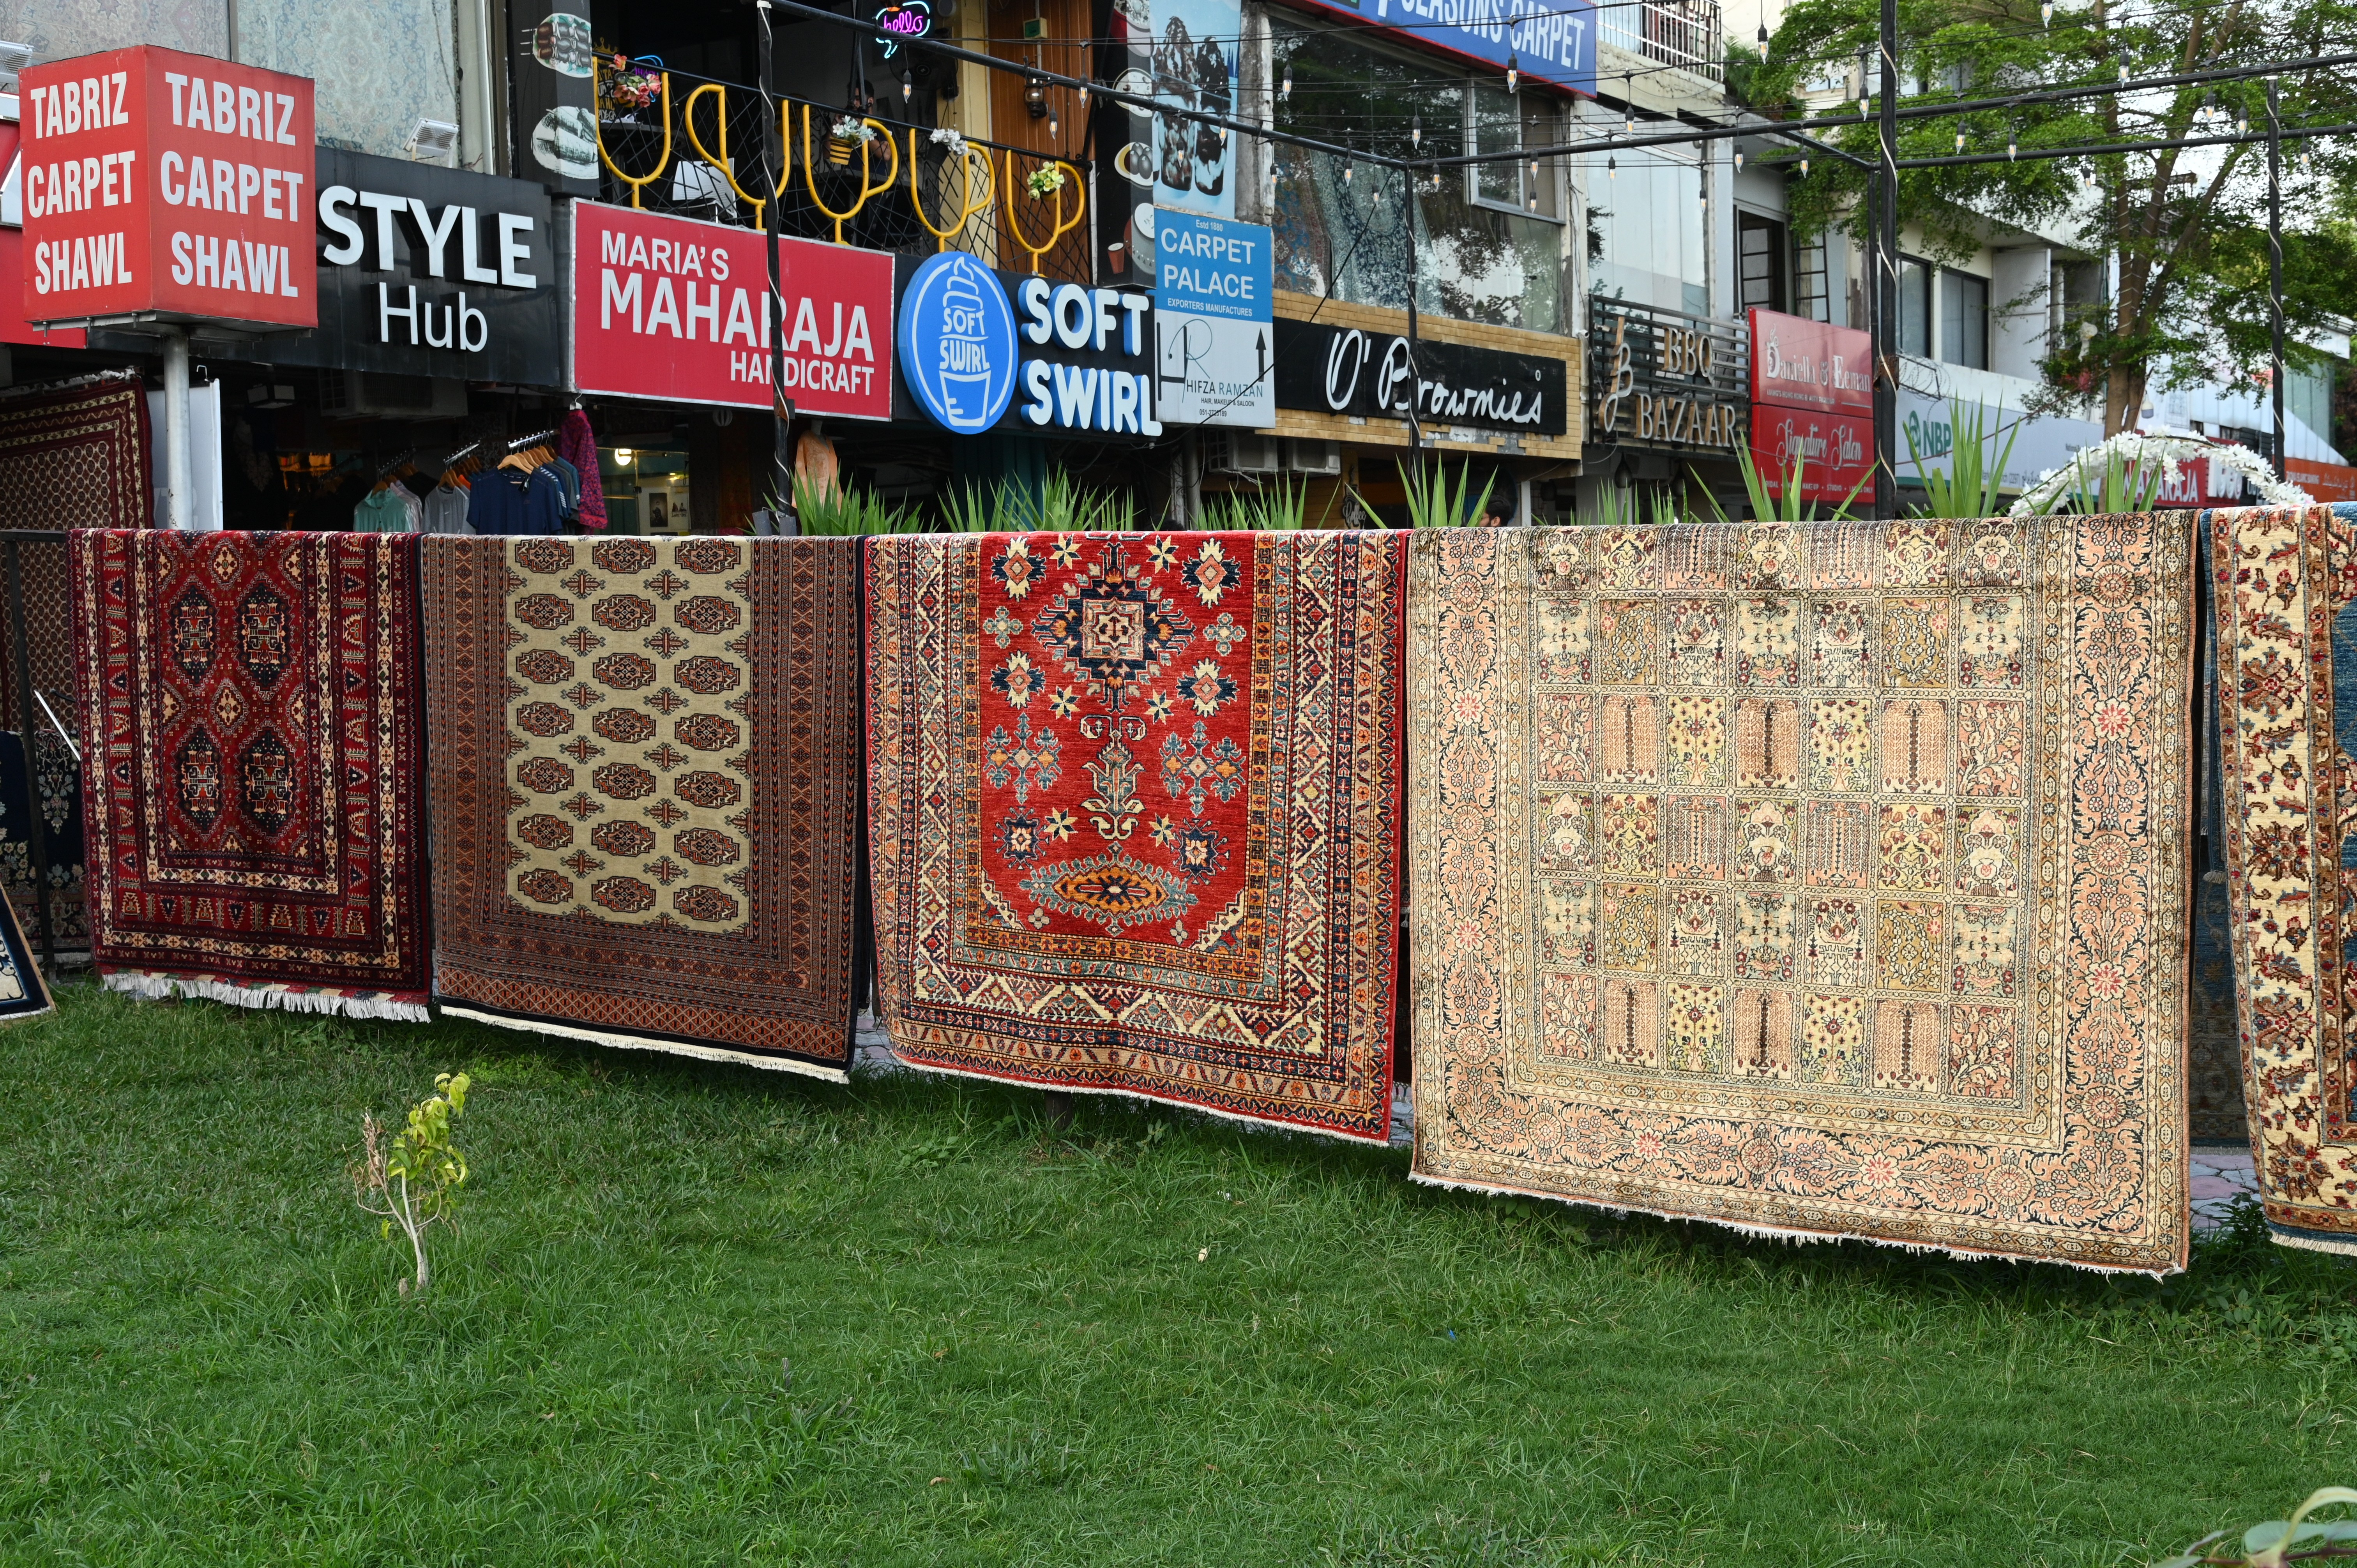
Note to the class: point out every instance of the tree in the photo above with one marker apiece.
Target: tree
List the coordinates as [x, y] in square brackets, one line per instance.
[2186, 227]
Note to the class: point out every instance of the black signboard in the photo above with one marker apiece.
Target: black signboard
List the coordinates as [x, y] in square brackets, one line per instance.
[1328, 368]
[1659, 377]
[426, 271]
[555, 99]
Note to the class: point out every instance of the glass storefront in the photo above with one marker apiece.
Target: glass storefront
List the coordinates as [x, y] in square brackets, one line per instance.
[1489, 246]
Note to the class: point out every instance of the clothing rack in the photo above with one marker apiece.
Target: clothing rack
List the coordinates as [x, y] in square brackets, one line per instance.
[542, 439]
[452, 460]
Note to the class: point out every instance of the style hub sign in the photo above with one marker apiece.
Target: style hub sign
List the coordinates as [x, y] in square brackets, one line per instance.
[166, 184]
[672, 308]
[979, 349]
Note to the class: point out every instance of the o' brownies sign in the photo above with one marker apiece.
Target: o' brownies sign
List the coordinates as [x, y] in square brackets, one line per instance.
[167, 184]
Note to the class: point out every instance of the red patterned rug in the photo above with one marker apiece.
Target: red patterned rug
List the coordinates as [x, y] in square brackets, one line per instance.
[252, 798]
[1134, 814]
[76, 458]
[646, 790]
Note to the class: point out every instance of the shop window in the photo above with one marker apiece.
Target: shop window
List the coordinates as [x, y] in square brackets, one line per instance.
[1914, 307]
[1964, 320]
[1759, 252]
[381, 68]
[1647, 223]
[1481, 252]
[1503, 122]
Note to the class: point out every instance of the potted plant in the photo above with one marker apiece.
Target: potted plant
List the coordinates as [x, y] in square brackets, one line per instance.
[845, 137]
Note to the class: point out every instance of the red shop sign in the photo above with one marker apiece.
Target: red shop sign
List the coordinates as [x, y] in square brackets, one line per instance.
[670, 308]
[1799, 363]
[14, 327]
[1836, 453]
[177, 184]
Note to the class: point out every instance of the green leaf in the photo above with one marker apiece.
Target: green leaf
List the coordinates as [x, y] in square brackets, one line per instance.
[2263, 1537]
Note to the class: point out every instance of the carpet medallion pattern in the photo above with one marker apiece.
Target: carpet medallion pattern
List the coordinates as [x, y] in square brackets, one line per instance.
[1821, 878]
[1135, 806]
[251, 799]
[645, 776]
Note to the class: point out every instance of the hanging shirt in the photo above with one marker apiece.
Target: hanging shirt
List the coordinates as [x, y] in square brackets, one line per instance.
[445, 510]
[577, 445]
[381, 511]
[570, 477]
[504, 501]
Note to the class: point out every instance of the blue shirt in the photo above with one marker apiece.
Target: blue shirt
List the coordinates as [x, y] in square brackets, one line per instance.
[504, 501]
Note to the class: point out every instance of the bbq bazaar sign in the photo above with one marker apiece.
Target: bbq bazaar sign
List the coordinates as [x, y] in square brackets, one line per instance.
[671, 308]
[167, 184]
[1664, 382]
[1377, 375]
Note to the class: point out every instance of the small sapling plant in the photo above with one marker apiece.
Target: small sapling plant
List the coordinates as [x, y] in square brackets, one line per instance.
[412, 1178]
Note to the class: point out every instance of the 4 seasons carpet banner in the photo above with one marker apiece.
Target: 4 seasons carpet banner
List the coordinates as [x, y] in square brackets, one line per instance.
[254, 771]
[1134, 814]
[646, 788]
[1818, 880]
[2285, 583]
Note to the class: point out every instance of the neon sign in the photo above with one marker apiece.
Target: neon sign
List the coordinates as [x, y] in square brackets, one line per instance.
[900, 21]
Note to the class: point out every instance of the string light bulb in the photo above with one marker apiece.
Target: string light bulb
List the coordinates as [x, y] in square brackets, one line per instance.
[1960, 141]
[1763, 43]
[2046, 13]
[2011, 150]
[1416, 130]
[1285, 85]
[1627, 106]
[1739, 160]
[2241, 122]
[1513, 72]
[1804, 168]
[1612, 168]
[1347, 167]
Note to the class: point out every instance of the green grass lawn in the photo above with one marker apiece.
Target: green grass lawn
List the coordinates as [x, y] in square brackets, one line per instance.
[1008, 1345]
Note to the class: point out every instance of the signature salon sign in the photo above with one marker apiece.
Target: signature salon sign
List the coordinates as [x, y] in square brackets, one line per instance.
[1373, 375]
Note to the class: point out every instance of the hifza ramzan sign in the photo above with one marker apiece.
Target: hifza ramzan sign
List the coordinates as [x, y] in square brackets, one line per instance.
[167, 184]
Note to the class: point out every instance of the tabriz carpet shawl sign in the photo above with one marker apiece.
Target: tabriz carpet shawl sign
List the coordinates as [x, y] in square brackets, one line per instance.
[1816, 879]
[251, 714]
[645, 791]
[2286, 587]
[1134, 814]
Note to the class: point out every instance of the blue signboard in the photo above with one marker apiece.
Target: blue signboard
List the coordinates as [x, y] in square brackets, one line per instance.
[972, 339]
[1552, 41]
[1212, 278]
[957, 343]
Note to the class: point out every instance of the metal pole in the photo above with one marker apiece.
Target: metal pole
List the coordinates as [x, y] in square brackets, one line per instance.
[36, 837]
[178, 480]
[782, 452]
[2275, 265]
[1885, 314]
[1414, 373]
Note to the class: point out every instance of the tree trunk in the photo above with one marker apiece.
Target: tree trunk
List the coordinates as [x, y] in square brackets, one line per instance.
[2122, 398]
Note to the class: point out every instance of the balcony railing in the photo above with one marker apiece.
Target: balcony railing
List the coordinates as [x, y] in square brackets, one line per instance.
[694, 149]
[1683, 32]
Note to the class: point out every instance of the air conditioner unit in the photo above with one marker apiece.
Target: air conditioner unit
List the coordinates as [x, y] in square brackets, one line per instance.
[379, 395]
[1313, 457]
[1238, 451]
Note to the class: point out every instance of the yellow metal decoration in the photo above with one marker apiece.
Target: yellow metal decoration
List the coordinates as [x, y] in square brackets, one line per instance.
[636, 183]
[867, 188]
[785, 144]
[1063, 225]
[973, 207]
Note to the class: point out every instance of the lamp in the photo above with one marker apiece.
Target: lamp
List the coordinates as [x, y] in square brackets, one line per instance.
[1034, 97]
[623, 454]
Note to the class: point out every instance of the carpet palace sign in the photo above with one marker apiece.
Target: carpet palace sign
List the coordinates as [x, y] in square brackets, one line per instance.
[164, 183]
[672, 308]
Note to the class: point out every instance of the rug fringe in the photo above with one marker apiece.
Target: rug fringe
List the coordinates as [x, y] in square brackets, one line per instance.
[2307, 1241]
[1778, 1233]
[152, 985]
[1272, 1124]
[640, 1043]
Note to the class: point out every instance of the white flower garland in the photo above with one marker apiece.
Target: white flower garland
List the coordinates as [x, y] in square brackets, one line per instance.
[953, 141]
[2131, 446]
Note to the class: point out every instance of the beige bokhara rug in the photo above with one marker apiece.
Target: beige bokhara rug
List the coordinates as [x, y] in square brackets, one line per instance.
[1817, 879]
